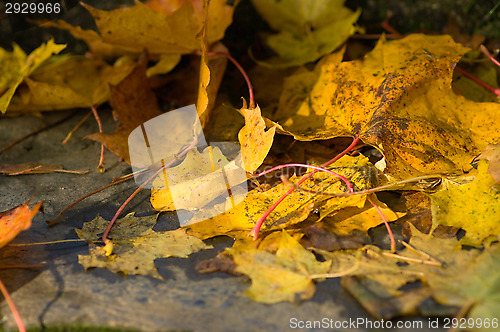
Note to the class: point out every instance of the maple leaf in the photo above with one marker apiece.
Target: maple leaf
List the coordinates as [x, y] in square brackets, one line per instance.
[211, 71]
[16, 66]
[361, 216]
[133, 102]
[452, 276]
[196, 181]
[307, 30]
[474, 207]
[16, 220]
[254, 139]
[293, 209]
[152, 26]
[284, 276]
[478, 287]
[399, 99]
[135, 245]
[69, 82]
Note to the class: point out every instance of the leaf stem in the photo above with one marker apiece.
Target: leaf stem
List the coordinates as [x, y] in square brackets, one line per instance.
[387, 27]
[100, 167]
[242, 71]
[478, 81]
[347, 182]
[78, 125]
[255, 231]
[362, 192]
[12, 306]
[485, 51]
[384, 219]
[412, 260]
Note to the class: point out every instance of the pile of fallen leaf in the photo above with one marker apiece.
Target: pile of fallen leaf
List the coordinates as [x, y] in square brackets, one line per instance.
[427, 133]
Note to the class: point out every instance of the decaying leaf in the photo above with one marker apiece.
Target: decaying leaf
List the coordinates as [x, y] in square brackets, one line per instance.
[16, 220]
[254, 139]
[474, 207]
[477, 288]
[135, 245]
[133, 102]
[15, 66]
[438, 264]
[307, 30]
[399, 99]
[284, 276]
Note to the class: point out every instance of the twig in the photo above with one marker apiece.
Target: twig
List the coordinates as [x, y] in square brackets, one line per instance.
[349, 186]
[478, 81]
[387, 27]
[362, 192]
[255, 231]
[462, 313]
[374, 36]
[58, 217]
[78, 125]
[21, 266]
[420, 252]
[13, 309]
[44, 243]
[410, 259]
[19, 140]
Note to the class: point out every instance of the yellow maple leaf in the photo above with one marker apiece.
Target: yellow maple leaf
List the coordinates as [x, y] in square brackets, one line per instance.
[152, 26]
[307, 29]
[254, 139]
[284, 276]
[135, 245]
[15, 66]
[66, 82]
[399, 99]
[295, 208]
[346, 218]
[196, 181]
[475, 207]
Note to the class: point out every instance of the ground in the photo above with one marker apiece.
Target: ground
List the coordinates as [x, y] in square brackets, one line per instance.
[62, 294]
